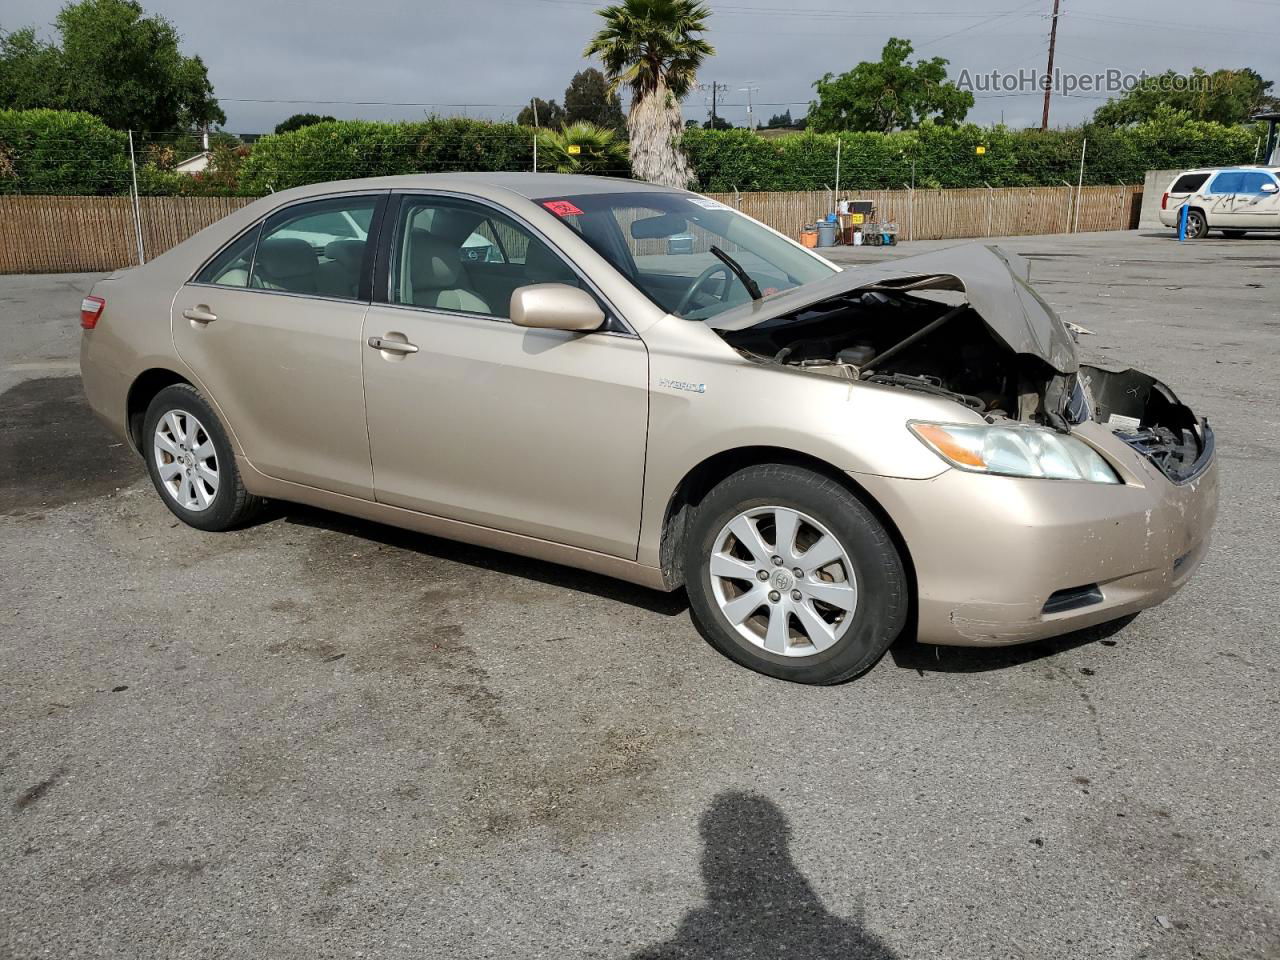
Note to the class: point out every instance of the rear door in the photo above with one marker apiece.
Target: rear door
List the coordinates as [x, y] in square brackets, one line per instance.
[1220, 200]
[271, 326]
[535, 432]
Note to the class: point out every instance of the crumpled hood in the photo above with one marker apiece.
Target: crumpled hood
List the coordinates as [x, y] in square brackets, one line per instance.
[993, 281]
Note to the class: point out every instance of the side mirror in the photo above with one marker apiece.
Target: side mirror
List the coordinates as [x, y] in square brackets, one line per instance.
[1269, 188]
[555, 306]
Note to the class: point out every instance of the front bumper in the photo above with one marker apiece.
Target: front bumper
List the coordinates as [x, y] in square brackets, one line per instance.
[989, 552]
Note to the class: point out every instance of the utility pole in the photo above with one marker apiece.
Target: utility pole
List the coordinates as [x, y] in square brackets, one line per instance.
[751, 120]
[1048, 73]
[716, 89]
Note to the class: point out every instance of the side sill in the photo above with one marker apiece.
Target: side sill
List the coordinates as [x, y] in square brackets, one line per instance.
[617, 567]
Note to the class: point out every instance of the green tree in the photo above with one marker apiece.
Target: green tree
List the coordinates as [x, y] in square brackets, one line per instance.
[114, 62]
[888, 94]
[583, 148]
[300, 120]
[30, 72]
[1224, 96]
[654, 47]
[590, 99]
[779, 120]
[548, 113]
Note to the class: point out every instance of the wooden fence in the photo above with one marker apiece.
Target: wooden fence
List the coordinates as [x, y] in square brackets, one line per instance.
[63, 234]
[948, 214]
[92, 234]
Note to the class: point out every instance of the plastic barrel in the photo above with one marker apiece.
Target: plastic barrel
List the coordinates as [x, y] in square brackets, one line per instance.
[826, 234]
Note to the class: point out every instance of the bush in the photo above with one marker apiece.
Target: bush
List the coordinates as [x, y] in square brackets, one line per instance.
[220, 179]
[345, 149]
[724, 160]
[61, 152]
[46, 151]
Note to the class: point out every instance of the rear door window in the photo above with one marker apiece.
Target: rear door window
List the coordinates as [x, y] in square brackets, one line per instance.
[1226, 183]
[316, 248]
[1189, 183]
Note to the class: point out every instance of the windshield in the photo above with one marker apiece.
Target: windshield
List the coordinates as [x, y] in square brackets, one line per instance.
[662, 242]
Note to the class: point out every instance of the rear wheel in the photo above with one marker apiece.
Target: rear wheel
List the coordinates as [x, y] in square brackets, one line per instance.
[1197, 225]
[191, 464]
[788, 573]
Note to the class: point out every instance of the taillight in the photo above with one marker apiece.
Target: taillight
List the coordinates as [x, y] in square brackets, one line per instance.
[90, 311]
[1164, 201]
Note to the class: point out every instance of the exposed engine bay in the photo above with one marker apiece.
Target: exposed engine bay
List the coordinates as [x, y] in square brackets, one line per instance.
[913, 342]
[921, 334]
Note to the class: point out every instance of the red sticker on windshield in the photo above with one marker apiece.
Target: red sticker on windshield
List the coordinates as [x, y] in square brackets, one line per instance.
[562, 208]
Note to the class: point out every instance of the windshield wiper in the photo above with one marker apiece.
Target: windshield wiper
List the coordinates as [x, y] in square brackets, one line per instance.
[752, 287]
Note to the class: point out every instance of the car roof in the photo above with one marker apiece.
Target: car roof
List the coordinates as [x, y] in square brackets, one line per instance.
[531, 186]
[1260, 168]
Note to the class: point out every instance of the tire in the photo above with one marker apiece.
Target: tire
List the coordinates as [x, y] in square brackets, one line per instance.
[1197, 225]
[842, 615]
[198, 481]
[1233, 234]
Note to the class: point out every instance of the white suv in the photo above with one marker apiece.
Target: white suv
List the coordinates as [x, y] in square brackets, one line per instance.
[1232, 200]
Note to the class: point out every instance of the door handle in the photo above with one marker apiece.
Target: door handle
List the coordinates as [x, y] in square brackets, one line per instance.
[392, 346]
[200, 314]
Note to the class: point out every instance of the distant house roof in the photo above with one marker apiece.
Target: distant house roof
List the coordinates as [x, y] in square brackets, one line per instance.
[197, 164]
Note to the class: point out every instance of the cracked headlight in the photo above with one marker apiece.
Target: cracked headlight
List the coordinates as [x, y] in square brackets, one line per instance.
[1021, 451]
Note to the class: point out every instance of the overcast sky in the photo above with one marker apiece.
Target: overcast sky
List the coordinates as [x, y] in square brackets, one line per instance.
[492, 55]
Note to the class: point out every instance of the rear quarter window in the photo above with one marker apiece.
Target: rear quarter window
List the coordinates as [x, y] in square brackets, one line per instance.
[1189, 183]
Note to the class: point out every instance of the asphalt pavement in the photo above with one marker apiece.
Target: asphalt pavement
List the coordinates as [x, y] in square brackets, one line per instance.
[320, 737]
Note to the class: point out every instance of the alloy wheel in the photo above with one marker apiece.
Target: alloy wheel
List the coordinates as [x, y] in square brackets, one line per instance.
[186, 460]
[783, 581]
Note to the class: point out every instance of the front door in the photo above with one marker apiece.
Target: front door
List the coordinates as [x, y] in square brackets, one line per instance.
[535, 432]
[272, 328]
[1254, 205]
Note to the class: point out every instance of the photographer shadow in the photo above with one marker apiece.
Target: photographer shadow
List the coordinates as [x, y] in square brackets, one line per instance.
[758, 903]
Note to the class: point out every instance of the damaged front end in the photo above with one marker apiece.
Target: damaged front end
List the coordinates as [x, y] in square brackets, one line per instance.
[1146, 415]
[965, 324]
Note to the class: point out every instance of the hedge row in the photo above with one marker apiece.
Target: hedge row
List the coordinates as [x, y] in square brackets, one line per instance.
[45, 151]
[62, 153]
[726, 160]
[343, 149]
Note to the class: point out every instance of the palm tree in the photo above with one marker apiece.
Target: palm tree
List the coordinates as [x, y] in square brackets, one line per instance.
[584, 148]
[653, 47]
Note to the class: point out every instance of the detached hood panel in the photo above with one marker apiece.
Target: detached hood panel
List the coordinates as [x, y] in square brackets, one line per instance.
[993, 281]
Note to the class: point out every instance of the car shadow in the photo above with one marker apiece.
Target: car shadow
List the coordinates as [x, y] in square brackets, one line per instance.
[906, 652]
[758, 904]
[909, 654]
[483, 558]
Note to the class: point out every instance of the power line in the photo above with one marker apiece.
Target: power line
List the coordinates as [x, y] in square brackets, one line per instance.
[981, 23]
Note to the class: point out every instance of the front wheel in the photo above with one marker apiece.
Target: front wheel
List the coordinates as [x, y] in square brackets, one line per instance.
[788, 573]
[191, 463]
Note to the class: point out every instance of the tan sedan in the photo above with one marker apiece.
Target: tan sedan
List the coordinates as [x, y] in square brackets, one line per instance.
[646, 383]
